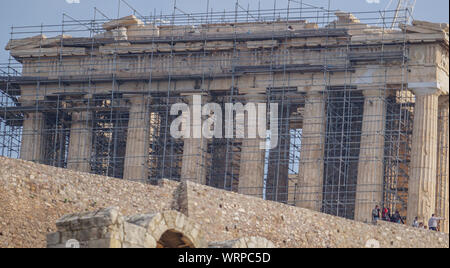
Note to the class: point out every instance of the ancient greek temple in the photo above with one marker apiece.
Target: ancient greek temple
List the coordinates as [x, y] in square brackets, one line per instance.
[362, 105]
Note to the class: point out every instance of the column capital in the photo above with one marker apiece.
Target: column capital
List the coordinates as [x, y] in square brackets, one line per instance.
[425, 88]
[78, 106]
[313, 88]
[316, 92]
[373, 92]
[80, 114]
[443, 100]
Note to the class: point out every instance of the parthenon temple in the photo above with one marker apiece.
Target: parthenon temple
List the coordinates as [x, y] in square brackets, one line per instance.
[362, 106]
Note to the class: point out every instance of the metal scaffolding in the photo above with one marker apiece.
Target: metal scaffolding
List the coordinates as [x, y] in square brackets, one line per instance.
[50, 85]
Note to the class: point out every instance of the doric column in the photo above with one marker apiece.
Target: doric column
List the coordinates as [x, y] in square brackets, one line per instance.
[193, 166]
[277, 178]
[33, 138]
[221, 172]
[251, 172]
[137, 148]
[369, 189]
[442, 184]
[80, 145]
[422, 181]
[310, 177]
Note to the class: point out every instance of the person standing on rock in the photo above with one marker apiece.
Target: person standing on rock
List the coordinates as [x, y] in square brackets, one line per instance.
[397, 218]
[386, 215]
[416, 223]
[375, 214]
[434, 222]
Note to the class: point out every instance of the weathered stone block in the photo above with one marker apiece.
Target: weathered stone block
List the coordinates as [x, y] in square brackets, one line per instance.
[57, 246]
[122, 22]
[262, 44]
[24, 43]
[102, 243]
[218, 45]
[67, 235]
[106, 217]
[133, 233]
[48, 52]
[63, 224]
[111, 232]
[53, 239]
[177, 30]
[141, 32]
[87, 221]
[137, 235]
[87, 234]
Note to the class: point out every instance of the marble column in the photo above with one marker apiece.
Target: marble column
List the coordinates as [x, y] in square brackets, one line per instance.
[442, 183]
[137, 148]
[193, 167]
[277, 178]
[80, 144]
[33, 138]
[422, 181]
[369, 188]
[251, 171]
[222, 159]
[311, 167]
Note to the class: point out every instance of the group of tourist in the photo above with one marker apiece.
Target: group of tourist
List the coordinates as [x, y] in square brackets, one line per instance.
[385, 215]
[433, 223]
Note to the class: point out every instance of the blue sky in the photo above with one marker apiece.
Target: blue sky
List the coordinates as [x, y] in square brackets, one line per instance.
[35, 12]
